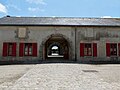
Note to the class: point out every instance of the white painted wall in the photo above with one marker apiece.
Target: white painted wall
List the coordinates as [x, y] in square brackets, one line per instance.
[101, 42]
[40, 34]
[36, 34]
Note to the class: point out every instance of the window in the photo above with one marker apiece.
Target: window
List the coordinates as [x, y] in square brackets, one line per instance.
[28, 49]
[88, 49]
[10, 46]
[111, 49]
[9, 49]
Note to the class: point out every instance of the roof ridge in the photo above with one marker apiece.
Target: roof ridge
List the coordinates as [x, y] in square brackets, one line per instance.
[56, 17]
[66, 21]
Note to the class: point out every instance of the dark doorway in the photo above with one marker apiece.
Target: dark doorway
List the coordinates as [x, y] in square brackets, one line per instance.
[56, 47]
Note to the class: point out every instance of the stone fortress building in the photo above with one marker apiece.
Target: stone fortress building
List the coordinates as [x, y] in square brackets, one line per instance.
[67, 38]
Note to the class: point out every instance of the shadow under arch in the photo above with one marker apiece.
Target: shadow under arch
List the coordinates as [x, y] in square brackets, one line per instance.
[59, 40]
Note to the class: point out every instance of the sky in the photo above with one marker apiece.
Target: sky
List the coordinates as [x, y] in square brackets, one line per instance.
[60, 8]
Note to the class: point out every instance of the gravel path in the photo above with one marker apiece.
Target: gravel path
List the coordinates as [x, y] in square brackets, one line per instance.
[68, 77]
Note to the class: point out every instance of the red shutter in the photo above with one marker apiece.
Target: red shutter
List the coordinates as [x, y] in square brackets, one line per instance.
[82, 49]
[119, 48]
[14, 49]
[34, 49]
[21, 49]
[94, 49]
[5, 49]
[108, 49]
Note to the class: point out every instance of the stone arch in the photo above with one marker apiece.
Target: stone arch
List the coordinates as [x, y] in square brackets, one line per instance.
[42, 46]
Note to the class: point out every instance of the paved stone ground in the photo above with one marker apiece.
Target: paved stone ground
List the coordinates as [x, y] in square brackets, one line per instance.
[68, 77]
[9, 74]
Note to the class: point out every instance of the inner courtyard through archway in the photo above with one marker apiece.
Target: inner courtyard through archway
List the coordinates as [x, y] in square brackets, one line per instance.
[56, 47]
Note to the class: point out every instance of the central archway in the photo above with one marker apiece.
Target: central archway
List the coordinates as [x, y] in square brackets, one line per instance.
[56, 47]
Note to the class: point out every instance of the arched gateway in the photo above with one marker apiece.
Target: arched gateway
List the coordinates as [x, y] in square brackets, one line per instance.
[56, 46]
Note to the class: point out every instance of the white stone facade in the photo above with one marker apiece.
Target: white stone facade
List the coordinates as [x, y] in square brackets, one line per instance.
[73, 35]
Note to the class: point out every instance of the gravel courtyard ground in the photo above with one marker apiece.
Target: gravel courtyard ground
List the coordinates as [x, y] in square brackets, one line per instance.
[60, 76]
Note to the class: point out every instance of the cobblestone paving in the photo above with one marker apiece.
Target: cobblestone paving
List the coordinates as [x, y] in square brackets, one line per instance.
[65, 77]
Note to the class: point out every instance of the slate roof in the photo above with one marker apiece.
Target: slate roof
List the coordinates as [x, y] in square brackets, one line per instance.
[63, 21]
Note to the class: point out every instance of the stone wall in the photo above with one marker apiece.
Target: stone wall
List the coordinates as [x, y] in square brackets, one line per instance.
[99, 35]
[74, 35]
[39, 34]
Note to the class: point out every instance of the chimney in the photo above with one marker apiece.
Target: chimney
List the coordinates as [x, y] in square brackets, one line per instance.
[8, 16]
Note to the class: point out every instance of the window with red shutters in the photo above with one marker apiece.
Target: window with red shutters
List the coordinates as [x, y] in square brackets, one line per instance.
[28, 49]
[111, 49]
[88, 49]
[9, 49]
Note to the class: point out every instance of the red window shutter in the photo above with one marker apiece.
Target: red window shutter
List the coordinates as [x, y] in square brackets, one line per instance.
[14, 49]
[21, 49]
[94, 49]
[34, 49]
[119, 48]
[5, 49]
[108, 49]
[82, 49]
